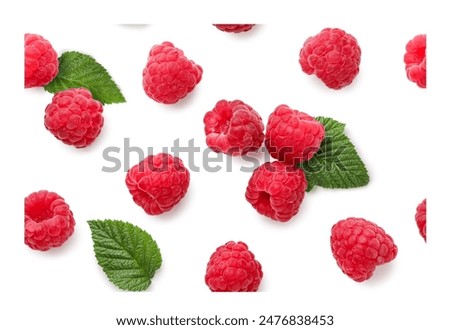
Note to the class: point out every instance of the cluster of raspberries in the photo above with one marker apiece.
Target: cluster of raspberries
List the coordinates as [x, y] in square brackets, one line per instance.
[358, 245]
[276, 189]
[74, 116]
[334, 56]
[232, 127]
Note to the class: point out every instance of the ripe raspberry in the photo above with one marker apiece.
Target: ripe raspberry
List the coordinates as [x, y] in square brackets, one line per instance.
[333, 56]
[49, 221]
[359, 246]
[74, 117]
[416, 60]
[235, 28]
[169, 75]
[233, 268]
[158, 183]
[421, 218]
[234, 128]
[41, 61]
[293, 136]
[276, 190]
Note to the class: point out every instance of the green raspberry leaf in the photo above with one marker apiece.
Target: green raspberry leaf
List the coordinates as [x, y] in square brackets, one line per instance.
[81, 70]
[336, 164]
[128, 255]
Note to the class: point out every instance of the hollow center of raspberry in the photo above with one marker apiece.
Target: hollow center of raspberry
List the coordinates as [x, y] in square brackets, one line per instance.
[264, 200]
[39, 213]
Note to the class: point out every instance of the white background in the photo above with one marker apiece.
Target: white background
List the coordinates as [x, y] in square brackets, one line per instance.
[397, 129]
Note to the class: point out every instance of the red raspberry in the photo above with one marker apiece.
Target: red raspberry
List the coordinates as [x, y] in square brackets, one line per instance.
[234, 128]
[169, 75]
[333, 56]
[276, 190]
[233, 268]
[74, 117]
[416, 60]
[41, 61]
[293, 136]
[235, 28]
[421, 218]
[158, 183]
[359, 246]
[49, 221]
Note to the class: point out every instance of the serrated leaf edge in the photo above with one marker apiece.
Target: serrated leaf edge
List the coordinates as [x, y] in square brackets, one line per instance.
[121, 97]
[153, 256]
[340, 128]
